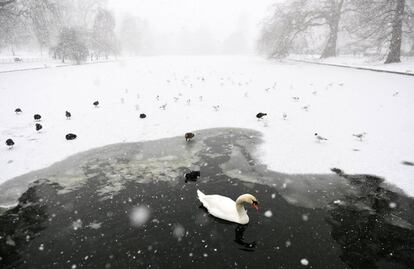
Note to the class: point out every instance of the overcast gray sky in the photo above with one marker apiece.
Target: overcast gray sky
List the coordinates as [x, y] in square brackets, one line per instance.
[219, 17]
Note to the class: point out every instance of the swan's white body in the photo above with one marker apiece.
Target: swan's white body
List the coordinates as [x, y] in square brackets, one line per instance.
[225, 208]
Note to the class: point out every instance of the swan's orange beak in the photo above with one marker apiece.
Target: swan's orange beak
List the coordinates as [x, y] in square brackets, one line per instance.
[256, 205]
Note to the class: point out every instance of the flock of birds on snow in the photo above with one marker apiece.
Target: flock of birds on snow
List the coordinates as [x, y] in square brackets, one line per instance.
[217, 205]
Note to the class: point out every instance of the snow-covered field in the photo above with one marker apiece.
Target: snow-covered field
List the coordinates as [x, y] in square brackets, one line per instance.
[406, 65]
[340, 102]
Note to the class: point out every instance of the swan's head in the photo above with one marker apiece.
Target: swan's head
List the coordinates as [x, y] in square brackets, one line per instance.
[249, 199]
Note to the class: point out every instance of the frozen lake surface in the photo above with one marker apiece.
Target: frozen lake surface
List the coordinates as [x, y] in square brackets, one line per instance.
[128, 206]
[186, 93]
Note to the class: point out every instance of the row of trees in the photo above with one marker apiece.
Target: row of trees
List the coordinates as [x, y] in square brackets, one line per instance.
[383, 27]
[69, 29]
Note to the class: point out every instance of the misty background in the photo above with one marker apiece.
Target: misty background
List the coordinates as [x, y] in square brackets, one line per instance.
[81, 30]
[146, 27]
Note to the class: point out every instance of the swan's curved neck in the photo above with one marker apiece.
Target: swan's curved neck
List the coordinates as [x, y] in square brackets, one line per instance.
[239, 204]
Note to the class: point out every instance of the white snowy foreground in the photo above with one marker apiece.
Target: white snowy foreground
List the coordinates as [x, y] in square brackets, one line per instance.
[331, 101]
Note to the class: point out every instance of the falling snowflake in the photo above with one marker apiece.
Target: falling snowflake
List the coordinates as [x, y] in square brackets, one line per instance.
[304, 262]
[139, 216]
[268, 214]
[178, 232]
[77, 224]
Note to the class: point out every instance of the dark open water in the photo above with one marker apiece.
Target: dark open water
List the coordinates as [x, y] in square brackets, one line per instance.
[128, 206]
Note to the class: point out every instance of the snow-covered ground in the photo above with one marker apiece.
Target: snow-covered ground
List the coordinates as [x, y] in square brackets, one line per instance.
[340, 102]
[406, 65]
[31, 61]
[33, 64]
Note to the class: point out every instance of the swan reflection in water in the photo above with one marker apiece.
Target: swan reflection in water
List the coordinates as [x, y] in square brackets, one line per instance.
[239, 239]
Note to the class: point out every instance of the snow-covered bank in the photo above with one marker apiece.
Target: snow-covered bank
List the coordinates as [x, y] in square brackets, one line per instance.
[332, 101]
[40, 64]
[370, 63]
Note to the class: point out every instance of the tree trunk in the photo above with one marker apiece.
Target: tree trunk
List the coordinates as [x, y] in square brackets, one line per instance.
[330, 48]
[394, 53]
[333, 20]
[411, 52]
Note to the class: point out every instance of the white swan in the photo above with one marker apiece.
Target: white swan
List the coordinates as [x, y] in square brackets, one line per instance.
[225, 208]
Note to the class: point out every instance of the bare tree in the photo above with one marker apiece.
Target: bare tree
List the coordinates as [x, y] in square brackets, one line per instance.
[12, 28]
[293, 18]
[45, 20]
[72, 45]
[103, 34]
[332, 11]
[383, 23]
[280, 30]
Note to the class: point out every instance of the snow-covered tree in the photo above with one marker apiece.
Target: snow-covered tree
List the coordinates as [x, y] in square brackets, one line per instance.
[294, 18]
[43, 17]
[103, 34]
[384, 23]
[72, 45]
[13, 30]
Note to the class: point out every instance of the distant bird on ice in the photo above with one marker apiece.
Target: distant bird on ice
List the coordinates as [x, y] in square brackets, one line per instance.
[71, 136]
[142, 116]
[306, 108]
[18, 111]
[38, 127]
[261, 115]
[216, 108]
[189, 136]
[10, 143]
[164, 106]
[68, 115]
[360, 136]
[96, 103]
[320, 138]
[37, 117]
[396, 94]
[284, 116]
[295, 98]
